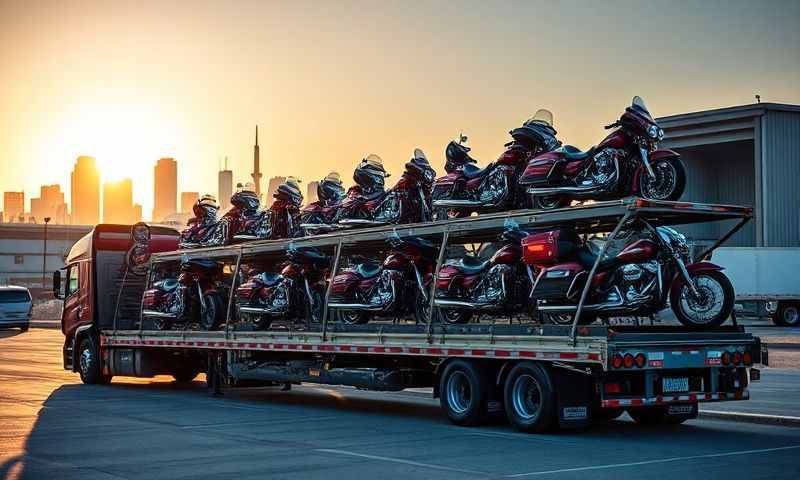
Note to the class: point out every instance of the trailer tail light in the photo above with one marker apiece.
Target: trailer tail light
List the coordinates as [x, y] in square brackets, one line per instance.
[613, 387]
[640, 360]
[616, 361]
[726, 358]
[628, 360]
[747, 358]
[737, 358]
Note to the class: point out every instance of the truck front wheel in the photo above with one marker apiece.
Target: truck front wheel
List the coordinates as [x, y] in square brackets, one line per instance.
[89, 363]
[529, 397]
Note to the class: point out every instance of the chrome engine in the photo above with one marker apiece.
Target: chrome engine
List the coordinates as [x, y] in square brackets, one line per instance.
[492, 287]
[603, 170]
[639, 282]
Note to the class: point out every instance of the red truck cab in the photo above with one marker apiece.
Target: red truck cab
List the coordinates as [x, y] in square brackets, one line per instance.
[96, 269]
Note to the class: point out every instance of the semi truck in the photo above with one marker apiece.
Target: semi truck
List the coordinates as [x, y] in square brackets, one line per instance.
[541, 376]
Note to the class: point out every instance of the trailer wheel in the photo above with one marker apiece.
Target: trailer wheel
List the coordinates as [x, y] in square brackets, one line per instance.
[89, 363]
[787, 314]
[185, 374]
[463, 393]
[661, 414]
[529, 396]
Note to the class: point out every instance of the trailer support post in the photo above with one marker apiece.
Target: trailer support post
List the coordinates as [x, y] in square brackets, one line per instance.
[588, 284]
[439, 261]
[724, 238]
[336, 259]
[232, 293]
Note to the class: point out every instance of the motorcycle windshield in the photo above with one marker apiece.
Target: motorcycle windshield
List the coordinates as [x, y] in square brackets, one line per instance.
[638, 104]
[542, 116]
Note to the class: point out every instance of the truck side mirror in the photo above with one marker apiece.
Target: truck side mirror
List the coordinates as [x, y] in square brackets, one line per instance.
[57, 284]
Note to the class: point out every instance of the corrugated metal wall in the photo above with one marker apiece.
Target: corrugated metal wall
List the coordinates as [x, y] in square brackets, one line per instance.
[782, 178]
[720, 173]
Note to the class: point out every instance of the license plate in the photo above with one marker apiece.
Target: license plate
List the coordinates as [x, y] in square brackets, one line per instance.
[675, 384]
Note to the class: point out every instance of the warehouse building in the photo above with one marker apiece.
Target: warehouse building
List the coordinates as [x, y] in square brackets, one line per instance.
[747, 155]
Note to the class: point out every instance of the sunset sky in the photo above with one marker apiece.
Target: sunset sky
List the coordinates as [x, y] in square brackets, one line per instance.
[329, 82]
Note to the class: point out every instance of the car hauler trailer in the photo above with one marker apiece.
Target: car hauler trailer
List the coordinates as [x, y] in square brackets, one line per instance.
[540, 375]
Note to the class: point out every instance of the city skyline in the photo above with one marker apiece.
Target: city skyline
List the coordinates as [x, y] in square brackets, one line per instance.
[324, 98]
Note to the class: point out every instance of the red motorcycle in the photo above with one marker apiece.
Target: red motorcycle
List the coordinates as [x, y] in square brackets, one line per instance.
[467, 188]
[320, 216]
[498, 285]
[203, 230]
[398, 286]
[197, 295]
[653, 266]
[298, 292]
[627, 162]
[245, 221]
[367, 204]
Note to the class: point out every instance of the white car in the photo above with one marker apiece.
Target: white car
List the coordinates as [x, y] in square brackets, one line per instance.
[15, 307]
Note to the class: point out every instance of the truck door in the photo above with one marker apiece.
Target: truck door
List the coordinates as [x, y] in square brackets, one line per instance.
[77, 306]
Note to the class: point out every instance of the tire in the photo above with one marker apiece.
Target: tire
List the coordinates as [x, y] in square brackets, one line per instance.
[352, 317]
[464, 393]
[452, 316]
[421, 308]
[677, 171]
[567, 318]
[185, 374]
[787, 314]
[440, 214]
[89, 363]
[659, 415]
[529, 398]
[680, 299]
[212, 314]
[550, 202]
[24, 329]
[161, 324]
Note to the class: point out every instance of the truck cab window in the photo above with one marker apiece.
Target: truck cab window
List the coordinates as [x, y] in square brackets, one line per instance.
[72, 281]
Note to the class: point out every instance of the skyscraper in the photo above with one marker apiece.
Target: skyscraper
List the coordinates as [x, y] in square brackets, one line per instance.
[165, 175]
[118, 202]
[13, 206]
[188, 199]
[85, 192]
[257, 167]
[311, 192]
[225, 187]
[49, 204]
[274, 183]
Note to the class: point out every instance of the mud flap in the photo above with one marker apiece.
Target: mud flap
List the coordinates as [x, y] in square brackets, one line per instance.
[681, 411]
[574, 394]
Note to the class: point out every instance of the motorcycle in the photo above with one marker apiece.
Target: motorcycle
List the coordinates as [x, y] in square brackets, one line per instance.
[467, 189]
[467, 285]
[319, 216]
[627, 162]
[398, 286]
[245, 221]
[653, 266]
[297, 292]
[203, 230]
[195, 296]
[368, 204]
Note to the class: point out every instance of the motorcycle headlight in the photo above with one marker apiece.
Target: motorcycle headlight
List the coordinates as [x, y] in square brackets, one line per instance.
[660, 134]
[653, 131]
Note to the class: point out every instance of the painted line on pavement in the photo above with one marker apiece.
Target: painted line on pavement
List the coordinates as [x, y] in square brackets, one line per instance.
[745, 417]
[401, 461]
[653, 462]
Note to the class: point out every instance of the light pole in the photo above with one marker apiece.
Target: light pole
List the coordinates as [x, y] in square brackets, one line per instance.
[44, 252]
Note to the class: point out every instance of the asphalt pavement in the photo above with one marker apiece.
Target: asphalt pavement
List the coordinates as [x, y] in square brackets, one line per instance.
[54, 427]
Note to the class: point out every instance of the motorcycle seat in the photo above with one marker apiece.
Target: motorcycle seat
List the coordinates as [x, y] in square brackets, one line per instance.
[367, 270]
[373, 195]
[473, 171]
[167, 285]
[586, 258]
[571, 153]
[202, 263]
[469, 265]
[269, 279]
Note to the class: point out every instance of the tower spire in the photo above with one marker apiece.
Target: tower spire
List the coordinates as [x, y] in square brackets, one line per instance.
[256, 167]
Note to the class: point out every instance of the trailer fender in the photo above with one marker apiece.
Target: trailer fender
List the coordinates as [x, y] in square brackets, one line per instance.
[678, 280]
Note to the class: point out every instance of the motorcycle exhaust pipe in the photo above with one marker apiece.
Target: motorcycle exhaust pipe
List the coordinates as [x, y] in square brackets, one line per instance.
[157, 314]
[357, 306]
[346, 222]
[557, 190]
[457, 203]
[574, 308]
[444, 303]
[261, 311]
[315, 228]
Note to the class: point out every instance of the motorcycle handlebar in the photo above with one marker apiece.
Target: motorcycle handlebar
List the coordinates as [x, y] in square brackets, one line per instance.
[613, 125]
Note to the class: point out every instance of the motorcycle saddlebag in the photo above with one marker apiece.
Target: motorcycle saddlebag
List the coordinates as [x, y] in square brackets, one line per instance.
[551, 247]
[555, 281]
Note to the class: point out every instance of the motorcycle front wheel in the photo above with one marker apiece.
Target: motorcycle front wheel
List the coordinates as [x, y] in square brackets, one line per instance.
[669, 181]
[550, 202]
[314, 308]
[710, 307]
[352, 317]
[212, 313]
[454, 317]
